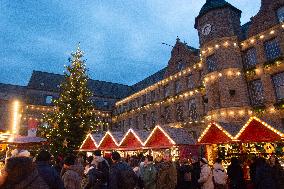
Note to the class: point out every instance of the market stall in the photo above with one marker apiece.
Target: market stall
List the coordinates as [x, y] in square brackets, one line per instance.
[91, 142]
[254, 138]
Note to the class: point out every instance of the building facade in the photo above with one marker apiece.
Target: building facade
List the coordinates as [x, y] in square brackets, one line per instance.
[237, 72]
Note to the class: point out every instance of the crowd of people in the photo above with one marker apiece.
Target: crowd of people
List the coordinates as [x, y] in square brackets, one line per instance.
[136, 172]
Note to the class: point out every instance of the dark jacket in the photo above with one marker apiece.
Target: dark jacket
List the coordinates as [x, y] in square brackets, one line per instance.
[50, 175]
[182, 171]
[264, 177]
[71, 178]
[98, 176]
[22, 174]
[167, 175]
[195, 175]
[115, 181]
[236, 177]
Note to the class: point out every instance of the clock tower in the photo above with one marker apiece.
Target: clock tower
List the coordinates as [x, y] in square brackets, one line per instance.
[219, 30]
[216, 19]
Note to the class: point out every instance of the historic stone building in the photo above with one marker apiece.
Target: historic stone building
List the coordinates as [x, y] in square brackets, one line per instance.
[237, 72]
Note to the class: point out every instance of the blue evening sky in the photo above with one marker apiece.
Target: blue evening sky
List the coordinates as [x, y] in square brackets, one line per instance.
[121, 38]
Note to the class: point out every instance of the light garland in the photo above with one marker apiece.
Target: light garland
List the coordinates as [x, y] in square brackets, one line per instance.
[87, 137]
[162, 130]
[263, 123]
[228, 72]
[135, 135]
[108, 133]
[44, 108]
[160, 83]
[231, 112]
[171, 100]
[219, 127]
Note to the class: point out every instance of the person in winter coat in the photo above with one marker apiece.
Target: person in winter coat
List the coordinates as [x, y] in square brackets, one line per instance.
[149, 173]
[21, 173]
[47, 172]
[219, 174]
[184, 175]
[121, 174]
[235, 175]
[277, 172]
[98, 173]
[205, 179]
[71, 177]
[264, 177]
[195, 173]
[167, 173]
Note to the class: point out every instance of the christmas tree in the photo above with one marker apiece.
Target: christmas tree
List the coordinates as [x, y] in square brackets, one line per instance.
[73, 115]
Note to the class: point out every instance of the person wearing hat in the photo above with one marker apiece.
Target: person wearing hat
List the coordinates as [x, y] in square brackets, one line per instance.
[205, 179]
[98, 174]
[71, 178]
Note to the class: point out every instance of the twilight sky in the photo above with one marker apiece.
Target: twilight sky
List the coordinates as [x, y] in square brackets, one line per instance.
[121, 38]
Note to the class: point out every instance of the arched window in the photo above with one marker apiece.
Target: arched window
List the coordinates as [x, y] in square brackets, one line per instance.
[280, 14]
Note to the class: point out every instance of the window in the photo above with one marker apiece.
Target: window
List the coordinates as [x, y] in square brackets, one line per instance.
[129, 122]
[145, 121]
[136, 122]
[190, 82]
[167, 114]
[166, 91]
[144, 99]
[280, 14]
[48, 99]
[278, 81]
[180, 65]
[153, 119]
[272, 49]
[105, 103]
[211, 63]
[177, 87]
[179, 112]
[256, 92]
[153, 94]
[250, 59]
[192, 110]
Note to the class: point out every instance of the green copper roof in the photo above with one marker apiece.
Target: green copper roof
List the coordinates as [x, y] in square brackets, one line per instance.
[214, 4]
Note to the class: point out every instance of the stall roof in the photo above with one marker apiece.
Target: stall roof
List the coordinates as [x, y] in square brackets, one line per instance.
[131, 141]
[108, 142]
[256, 130]
[215, 134]
[18, 139]
[163, 137]
[91, 142]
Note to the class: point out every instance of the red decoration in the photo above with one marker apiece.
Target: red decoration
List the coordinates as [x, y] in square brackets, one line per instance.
[88, 145]
[158, 140]
[107, 143]
[257, 132]
[215, 136]
[32, 124]
[130, 142]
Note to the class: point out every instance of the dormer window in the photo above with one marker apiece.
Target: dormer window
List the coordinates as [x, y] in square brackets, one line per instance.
[180, 65]
[280, 14]
[48, 99]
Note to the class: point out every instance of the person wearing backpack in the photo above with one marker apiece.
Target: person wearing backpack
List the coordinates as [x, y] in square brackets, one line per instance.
[205, 180]
[167, 173]
[98, 173]
[121, 174]
[149, 173]
[219, 175]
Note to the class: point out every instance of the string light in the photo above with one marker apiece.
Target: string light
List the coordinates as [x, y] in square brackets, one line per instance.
[16, 116]
[162, 130]
[262, 122]
[160, 83]
[127, 134]
[216, 125]
[85, 140]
